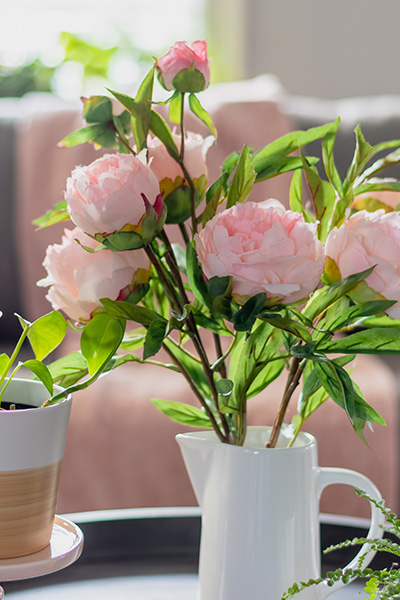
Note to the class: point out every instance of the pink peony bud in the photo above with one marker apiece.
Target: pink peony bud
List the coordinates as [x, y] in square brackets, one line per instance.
[185, 67]
[265, 248]
[107, 195]
[365, 240]
[78, 279]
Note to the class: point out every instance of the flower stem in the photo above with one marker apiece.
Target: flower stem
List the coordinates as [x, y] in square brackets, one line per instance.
[293, 381]
[184, 233]
[198, 344]
[164, 280]
[222, 436]
[193, 193]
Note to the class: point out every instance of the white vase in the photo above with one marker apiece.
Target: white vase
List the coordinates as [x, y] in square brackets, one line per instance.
[31, 450]
[260, 514]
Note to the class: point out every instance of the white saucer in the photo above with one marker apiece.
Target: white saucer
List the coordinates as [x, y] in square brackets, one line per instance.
[65, 547]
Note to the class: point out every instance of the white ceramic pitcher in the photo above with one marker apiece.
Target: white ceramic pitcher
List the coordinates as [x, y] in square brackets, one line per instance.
[260, 514]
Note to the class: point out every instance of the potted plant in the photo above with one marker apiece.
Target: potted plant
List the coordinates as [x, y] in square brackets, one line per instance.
[274, 289]
[32, 441]
[32, 435]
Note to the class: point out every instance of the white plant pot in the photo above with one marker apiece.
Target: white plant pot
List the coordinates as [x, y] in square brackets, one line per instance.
[32, 445]
[260, 514]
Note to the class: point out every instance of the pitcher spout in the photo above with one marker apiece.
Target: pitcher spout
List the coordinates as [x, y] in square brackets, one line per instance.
[198, 458]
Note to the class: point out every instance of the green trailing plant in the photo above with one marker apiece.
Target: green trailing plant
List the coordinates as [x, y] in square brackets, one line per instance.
[384, 583]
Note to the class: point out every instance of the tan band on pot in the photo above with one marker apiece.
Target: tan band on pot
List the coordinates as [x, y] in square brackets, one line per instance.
[27, 505]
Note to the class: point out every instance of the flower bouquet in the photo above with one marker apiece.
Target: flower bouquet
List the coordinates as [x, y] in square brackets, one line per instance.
[254, 289]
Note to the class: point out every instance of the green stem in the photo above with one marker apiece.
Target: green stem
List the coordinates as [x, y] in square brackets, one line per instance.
[222, 436]
[171, 261]
[193, 192]
[184, 233]
[164, 280]
[5, 386]
[13, 357]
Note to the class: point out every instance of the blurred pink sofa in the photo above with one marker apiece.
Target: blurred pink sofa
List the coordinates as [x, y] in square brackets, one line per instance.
[120, 451]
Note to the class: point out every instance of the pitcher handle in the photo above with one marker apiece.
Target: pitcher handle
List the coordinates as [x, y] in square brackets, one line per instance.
[329, 476]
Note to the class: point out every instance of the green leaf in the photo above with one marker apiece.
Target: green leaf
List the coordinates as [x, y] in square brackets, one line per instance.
[80, 136]
[362, 154]
[338, 385]
[124, 99]
[322, 196]
[69, 369]
[58, 214]
[200, 112]
[195, 277]
[213, 197]
[307, 351]
[312, 394]
[183, 413]
[289, 143]
[249, 358]
[230, 163]
[245, 317]
[357, 312]
[175, 108]
[123, 147]
[243, 179]
[218, 285]
[383, 186]
[42, 372]
[106, 138]
[100, 340]
[289, 325]
[133, 343]
[296, 192]
[214, 325]
[282, 164]
[383, 163]
[267, 375]
[141, 110]
[132, 312]
[161, 130]
[328, 143]
[328, 295]
[97, 109]
[385, 340]
[154, 338]
[47, 333]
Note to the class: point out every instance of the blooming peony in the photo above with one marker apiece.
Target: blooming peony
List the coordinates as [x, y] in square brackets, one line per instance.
[369, 239]
[78, 278]
[265, 248]
[107, 195]
[181, 57]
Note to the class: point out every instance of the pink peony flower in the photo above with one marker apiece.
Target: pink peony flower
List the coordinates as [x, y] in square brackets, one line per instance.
[165, 167]
[265, 248]
[365, 240]
[182, 56]
[78, 278]
[108, 195]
